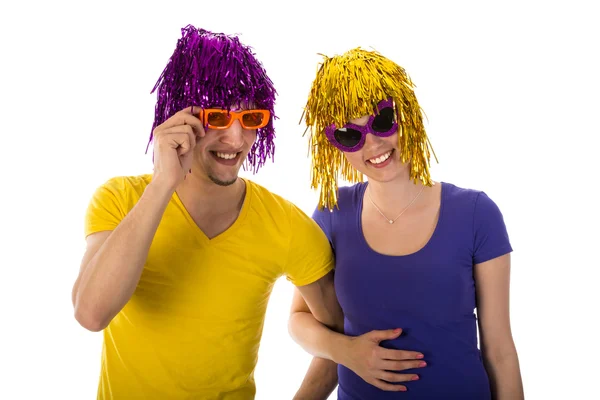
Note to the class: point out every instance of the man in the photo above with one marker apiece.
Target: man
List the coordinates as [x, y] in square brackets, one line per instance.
[180, 263]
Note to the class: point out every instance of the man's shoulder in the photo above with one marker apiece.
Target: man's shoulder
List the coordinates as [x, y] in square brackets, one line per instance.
[122, 189]
[268, 197]
[275, 205]
[126, 183]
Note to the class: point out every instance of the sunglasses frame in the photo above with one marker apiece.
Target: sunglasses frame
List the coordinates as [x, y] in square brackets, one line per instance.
[235, 115]
[363, 129]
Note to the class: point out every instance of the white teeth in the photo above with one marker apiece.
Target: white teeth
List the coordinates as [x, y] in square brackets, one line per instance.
[227, 156]
[381, 158]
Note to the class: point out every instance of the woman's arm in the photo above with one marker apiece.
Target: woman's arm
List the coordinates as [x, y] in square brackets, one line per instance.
[321, 378]
[492, 283]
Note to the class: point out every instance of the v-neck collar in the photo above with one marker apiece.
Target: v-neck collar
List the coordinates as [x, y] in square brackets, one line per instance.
[200, 235]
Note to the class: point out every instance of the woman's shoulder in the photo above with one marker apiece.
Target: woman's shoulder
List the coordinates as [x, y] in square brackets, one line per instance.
[350, 197]
[468, 198]
[348, 200]
[347, 192]
[458, 191]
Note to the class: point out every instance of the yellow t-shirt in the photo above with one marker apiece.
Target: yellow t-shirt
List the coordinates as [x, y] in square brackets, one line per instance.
[192, 328]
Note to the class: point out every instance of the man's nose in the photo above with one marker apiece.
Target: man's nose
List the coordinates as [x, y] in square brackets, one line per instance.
[233, 136]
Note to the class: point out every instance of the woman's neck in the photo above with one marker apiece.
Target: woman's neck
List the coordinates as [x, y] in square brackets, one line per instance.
[394, 196]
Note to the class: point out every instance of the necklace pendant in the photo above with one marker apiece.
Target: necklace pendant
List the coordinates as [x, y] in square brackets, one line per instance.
[390, 221]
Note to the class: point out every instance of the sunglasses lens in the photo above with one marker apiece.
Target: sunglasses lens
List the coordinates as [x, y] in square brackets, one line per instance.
[347, 137]
[218, 118]
[253, 119]
[384, 121]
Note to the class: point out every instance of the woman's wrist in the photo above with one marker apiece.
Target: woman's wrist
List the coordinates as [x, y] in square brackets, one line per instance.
[338, 345]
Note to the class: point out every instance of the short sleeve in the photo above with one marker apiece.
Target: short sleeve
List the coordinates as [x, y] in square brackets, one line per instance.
[310, 256]
[490, 234]
[323, 219]
[106, 208]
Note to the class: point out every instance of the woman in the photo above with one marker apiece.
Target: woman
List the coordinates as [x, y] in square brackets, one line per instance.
[414, 257]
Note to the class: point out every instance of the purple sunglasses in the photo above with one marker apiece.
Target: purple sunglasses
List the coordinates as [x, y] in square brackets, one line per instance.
[351, 137]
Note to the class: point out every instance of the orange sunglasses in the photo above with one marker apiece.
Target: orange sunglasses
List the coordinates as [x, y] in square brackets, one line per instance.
[217, 118]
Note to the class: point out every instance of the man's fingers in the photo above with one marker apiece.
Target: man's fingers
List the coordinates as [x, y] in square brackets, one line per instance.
[183, 118]
[401, 365]
[198, 124]
[388, 387]
[177, 140]
[187, 129]
[199, 130]
[167, 135]
[193, 110]
[391, 354]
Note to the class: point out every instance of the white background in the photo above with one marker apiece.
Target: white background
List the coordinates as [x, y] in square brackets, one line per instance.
[511, 91]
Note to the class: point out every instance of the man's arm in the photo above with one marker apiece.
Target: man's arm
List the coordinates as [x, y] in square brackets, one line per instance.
[319, 382]
[492, 282]
[114, 260]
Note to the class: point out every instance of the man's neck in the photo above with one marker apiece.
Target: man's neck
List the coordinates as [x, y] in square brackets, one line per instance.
[201, 196]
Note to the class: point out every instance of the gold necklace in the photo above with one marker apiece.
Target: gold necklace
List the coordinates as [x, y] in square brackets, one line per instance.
[391, 221]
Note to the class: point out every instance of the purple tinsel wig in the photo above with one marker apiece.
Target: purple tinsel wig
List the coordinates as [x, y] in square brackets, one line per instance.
[215, 70]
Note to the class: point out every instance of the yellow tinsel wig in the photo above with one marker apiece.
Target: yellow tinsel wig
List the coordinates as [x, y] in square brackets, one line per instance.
[350, 86]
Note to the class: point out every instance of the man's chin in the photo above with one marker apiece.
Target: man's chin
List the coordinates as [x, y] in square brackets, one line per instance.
[222, 182]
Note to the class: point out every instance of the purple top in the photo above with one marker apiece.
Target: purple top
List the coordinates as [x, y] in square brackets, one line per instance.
[430, 294]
